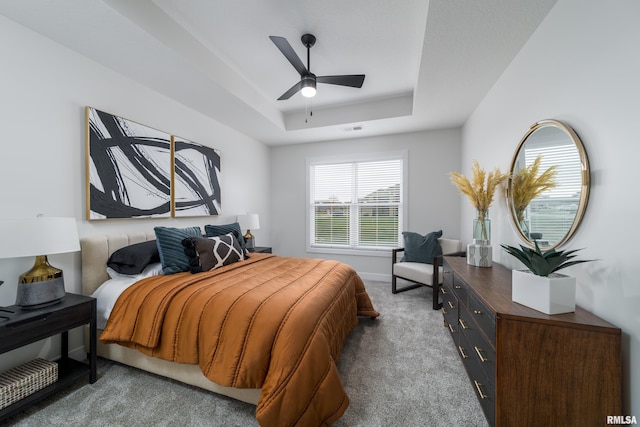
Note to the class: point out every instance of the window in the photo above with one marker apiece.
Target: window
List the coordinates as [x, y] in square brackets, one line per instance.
[356, 204]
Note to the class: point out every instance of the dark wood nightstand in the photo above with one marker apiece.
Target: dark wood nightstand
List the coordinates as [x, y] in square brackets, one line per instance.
[19, 327]
[262, 249]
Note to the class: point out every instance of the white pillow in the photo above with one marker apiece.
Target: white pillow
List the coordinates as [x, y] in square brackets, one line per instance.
[154, 269]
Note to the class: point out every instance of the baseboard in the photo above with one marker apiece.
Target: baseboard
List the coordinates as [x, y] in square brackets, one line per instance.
[78, 353]
[375, 277]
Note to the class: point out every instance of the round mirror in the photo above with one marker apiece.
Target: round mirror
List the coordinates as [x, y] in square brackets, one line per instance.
[548, 185]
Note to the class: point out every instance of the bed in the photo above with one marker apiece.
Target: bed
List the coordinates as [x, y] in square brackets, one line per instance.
[285, 361]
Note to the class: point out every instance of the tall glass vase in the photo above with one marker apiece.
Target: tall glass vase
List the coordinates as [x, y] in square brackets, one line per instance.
[482, 228]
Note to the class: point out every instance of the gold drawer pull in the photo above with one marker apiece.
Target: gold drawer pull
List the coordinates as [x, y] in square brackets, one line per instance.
[462, 353]
[443, 290]
[479, 351]
[458, 287]
[464, 325]
[477, 312]
[451, 305]
[444, 310]
[451, 328]
[478, 385]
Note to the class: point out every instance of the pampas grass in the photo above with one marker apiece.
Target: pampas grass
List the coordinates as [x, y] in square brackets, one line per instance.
[481, 189]
[526, 185]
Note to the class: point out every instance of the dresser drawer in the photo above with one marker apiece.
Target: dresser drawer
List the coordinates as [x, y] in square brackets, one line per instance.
[480, 350]
[450, 310]
[484, 317]
[485, 391]
[460, 289]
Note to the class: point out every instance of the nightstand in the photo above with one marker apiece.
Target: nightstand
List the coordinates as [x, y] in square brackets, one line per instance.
[262, 249]
[19, 327]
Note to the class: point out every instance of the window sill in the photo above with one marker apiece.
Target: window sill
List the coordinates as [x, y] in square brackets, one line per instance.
[386, 252]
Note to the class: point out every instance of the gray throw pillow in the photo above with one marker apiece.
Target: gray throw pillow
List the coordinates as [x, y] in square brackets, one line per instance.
[419, 248]
[172, 255]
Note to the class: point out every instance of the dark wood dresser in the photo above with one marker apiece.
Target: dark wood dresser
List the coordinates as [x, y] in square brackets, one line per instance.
[528, 368]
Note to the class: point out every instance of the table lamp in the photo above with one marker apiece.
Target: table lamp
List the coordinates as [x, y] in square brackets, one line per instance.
[249, 222]
[43, 284]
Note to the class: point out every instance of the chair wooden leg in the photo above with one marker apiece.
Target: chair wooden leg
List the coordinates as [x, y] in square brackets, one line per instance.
[436, 297]
[394, 287]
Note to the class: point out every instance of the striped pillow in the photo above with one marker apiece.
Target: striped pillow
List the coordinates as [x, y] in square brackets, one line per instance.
[172, 255]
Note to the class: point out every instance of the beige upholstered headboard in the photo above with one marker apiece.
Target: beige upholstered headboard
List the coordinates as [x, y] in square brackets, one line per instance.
[96, 251]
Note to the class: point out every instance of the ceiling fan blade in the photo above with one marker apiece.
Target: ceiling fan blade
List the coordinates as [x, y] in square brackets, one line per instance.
[286, 49]
[353, 80]
[294, 89]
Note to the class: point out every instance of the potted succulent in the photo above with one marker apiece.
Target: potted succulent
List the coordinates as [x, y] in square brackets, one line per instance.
[541, 287]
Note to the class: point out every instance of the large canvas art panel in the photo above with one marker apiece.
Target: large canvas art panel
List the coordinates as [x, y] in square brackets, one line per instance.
[196, 181]
[128, 168]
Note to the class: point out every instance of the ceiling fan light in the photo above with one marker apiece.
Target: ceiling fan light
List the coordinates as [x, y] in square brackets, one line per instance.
[308, 92]
[308, 88]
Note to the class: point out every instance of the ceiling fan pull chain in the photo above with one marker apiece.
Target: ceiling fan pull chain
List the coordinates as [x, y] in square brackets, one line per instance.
[308, 110]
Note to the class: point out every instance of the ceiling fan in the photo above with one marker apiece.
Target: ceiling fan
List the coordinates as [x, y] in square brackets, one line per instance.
[308, 80]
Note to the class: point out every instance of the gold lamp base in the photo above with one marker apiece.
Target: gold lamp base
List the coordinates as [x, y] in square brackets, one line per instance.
[41, 286]
[250, 241]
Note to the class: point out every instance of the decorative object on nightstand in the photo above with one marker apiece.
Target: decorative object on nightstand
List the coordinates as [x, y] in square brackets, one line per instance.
[249, 222]
[480, 191]
[540, 287]
[43, 284]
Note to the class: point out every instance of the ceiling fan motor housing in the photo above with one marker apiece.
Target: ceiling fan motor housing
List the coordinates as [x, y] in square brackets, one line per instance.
[308, 85]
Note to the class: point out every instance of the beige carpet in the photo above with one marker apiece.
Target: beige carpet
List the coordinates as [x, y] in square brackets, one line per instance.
[401, 369]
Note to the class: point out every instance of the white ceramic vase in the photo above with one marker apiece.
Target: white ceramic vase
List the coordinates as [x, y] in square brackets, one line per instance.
[480, 253]
[553, 294]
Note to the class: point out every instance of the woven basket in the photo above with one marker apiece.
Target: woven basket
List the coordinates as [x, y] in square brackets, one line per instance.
[26, 379]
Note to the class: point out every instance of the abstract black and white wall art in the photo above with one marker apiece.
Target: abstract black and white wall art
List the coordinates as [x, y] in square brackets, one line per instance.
[196, 179]
[128, 168]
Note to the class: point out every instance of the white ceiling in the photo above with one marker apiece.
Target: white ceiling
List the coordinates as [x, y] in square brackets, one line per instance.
[428, 63]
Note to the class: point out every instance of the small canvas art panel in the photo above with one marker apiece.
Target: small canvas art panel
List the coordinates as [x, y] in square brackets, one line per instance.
[128, 168]
[196, 182]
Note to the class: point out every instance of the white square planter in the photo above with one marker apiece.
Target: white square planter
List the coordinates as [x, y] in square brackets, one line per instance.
[554, 294]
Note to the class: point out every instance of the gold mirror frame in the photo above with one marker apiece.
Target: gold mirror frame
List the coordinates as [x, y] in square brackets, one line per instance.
[584, 187]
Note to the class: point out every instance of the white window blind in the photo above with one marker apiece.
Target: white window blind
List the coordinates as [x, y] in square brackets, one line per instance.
[553, 212]
[356, 204]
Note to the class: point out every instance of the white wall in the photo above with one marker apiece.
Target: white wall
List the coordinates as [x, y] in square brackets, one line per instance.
[44, 88]
[433, 200]
[581, 66]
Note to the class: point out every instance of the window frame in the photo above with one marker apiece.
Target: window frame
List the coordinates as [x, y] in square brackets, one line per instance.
[401, 155]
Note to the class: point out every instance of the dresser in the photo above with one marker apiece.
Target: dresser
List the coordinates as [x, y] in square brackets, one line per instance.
[528, 368]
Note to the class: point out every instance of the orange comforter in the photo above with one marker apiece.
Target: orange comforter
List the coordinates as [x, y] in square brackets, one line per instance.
[268, 322]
